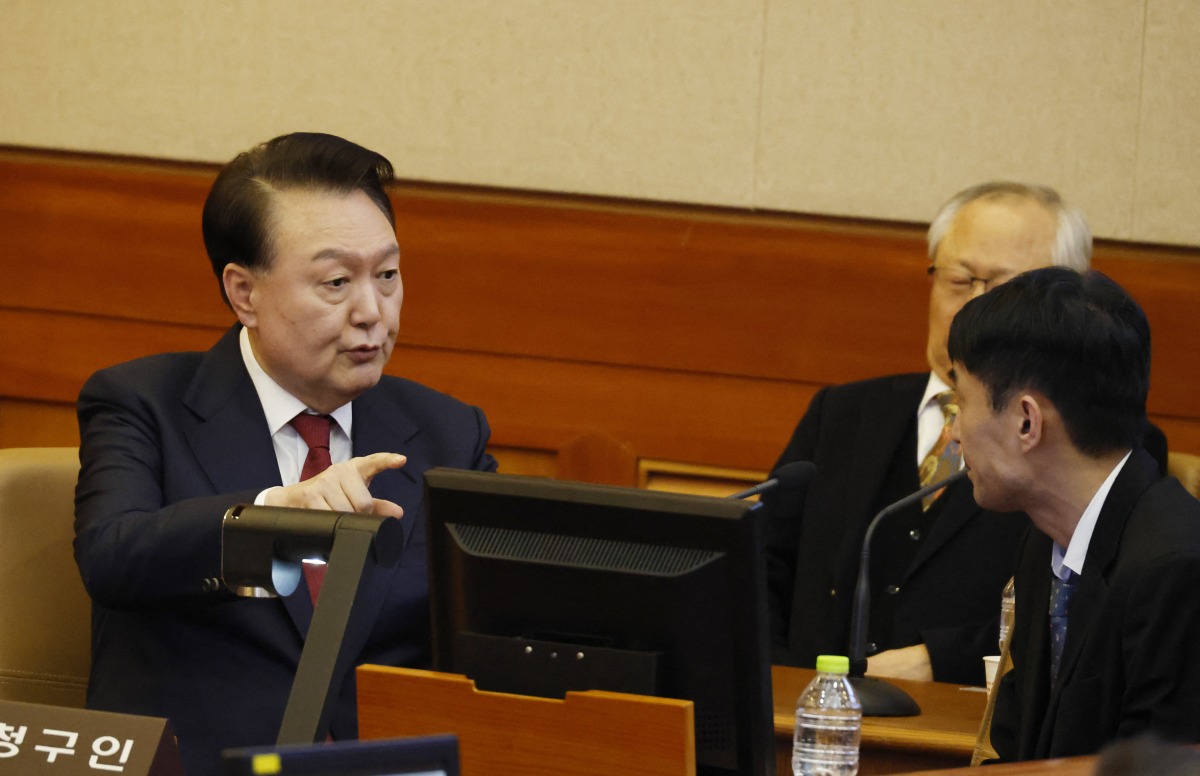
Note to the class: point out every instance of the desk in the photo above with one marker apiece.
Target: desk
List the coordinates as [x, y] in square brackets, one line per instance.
[1067, 766]
[942, 736]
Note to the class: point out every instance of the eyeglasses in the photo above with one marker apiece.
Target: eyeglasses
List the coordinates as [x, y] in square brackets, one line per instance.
[959, 282]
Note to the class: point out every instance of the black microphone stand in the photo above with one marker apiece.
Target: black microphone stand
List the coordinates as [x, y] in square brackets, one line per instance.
[878, 697]
[791, 476]
[261, 552]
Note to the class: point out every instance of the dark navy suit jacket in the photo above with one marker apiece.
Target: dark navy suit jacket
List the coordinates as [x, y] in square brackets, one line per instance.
[1131, 663]
[168, 444]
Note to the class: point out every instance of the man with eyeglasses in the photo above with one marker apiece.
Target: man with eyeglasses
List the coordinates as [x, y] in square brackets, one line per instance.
[938, 568]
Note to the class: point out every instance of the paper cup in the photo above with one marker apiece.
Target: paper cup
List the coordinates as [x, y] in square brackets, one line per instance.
[990, 664]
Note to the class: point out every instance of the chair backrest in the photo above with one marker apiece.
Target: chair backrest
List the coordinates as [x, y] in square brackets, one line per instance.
[45, 613]
[1185, 467]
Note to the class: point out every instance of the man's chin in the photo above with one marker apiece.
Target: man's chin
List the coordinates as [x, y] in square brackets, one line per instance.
[977, 490]
[991, 501]
[359, 379]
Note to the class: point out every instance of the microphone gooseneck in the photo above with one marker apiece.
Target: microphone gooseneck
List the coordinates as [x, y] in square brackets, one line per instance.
[790, 476]
[890, 706]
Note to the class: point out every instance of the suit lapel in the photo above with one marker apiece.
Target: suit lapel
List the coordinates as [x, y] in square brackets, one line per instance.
[958, 508]
[886, 415]
[889, 418]
[232, 444]
[1033, 605]
[231, 440]
[1137, 475]
[1088, 602]
[380, 426]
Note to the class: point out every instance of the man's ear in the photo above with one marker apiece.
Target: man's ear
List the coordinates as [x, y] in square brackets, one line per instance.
[1030, 417]
[239, 288]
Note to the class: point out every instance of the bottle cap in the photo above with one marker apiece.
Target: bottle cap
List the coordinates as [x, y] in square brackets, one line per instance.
[833, 664]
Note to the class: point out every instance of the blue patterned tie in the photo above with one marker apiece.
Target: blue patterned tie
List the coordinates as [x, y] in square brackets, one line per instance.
[1060, 605]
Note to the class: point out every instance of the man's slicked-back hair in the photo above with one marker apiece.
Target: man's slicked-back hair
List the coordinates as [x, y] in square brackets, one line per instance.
[1072, 237]
[237, 212]
[1078, 339]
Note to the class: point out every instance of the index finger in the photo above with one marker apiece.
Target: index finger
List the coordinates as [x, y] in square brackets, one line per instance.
[370, 465]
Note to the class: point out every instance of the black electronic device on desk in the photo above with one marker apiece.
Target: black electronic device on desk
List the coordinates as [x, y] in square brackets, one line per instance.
[421, 756]
[542, 586]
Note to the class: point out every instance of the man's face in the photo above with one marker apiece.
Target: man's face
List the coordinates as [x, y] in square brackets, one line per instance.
[988, 242]
[990, 441]
[323, 317]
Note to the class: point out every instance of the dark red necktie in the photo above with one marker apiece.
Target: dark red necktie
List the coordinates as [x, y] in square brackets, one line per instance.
[314, 430]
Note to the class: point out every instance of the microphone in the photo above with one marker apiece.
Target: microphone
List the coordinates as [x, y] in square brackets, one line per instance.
[790, 476]
[878, 698]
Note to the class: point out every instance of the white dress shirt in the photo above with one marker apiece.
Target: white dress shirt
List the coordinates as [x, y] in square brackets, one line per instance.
[929, 417]
[1065, 560]
[280, 407]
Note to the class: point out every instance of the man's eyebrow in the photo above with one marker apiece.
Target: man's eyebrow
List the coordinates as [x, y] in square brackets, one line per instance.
[337, 253]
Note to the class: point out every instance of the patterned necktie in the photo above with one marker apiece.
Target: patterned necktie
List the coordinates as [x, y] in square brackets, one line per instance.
[1060, 605]
[314, 430]
[945, 457]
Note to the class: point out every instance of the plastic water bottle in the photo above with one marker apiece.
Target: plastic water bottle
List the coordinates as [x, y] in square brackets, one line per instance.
[1008, 603]
[828, 723]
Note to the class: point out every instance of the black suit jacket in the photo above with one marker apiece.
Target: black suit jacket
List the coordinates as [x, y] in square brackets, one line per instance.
[1131, 663]
[168, 444]
[859, 435]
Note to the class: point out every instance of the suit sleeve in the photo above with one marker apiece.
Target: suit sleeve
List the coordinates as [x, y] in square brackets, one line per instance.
[785, 513]
[481, 459]
[1162, 646]
[956, 652]
[132, 547]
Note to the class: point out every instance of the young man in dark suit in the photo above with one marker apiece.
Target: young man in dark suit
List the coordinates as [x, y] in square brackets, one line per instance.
[301, 235]
[1052, 371]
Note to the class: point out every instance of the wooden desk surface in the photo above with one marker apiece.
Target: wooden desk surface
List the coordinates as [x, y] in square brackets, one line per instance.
[942, 736]
[1069, 766]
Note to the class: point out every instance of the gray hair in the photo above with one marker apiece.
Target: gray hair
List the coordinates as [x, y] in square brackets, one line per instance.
[1072, 240]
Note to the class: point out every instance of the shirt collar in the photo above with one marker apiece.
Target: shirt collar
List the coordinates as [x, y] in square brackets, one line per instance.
[935, 386]
[279, 405]
[1064, 561]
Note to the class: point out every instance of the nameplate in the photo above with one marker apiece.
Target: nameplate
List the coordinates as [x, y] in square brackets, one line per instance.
[37, 740]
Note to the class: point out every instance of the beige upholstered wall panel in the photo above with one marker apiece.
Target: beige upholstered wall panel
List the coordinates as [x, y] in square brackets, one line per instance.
[1167, 205]
[642, 98]
[876, 108]
[652, 99]
[859, 107]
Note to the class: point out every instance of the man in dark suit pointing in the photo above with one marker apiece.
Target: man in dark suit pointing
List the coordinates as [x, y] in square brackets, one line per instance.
[289, 408]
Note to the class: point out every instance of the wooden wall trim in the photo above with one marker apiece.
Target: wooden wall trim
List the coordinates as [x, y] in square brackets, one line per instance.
[692, 335]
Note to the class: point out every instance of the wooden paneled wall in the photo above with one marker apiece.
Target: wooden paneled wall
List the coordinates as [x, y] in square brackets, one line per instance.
[607, 341]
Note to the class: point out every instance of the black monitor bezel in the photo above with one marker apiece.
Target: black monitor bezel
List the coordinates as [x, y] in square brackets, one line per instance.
[670, 519]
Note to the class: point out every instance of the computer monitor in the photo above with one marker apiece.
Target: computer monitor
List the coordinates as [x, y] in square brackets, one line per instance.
[420, 756]
[541, 586]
